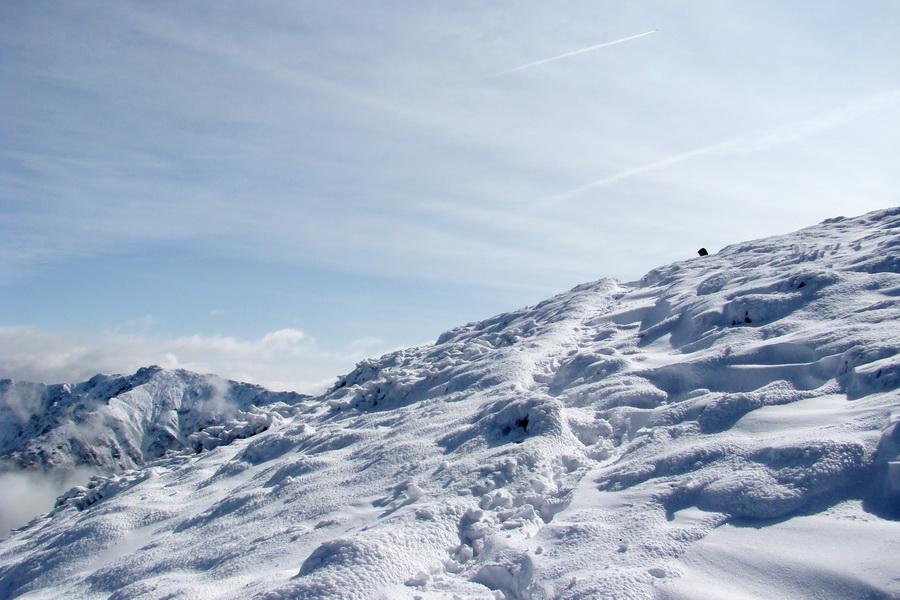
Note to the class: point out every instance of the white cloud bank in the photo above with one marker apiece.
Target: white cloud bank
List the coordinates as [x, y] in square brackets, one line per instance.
[286, 359]
[25, 494]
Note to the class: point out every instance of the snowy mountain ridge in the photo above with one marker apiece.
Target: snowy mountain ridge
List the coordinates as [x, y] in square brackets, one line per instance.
[115, 422]
[726, 427]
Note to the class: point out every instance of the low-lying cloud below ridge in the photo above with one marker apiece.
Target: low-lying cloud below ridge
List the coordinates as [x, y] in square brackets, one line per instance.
[26, 494]
[283, 360]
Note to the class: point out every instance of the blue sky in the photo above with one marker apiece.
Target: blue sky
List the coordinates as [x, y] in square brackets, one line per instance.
[274, 191]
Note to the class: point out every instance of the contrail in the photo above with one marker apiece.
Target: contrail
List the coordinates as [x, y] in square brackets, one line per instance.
[750, 143]
[573, 53]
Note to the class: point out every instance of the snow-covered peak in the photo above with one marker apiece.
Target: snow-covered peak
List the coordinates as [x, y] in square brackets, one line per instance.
[795, 298]
[725, 427]
[115, 422]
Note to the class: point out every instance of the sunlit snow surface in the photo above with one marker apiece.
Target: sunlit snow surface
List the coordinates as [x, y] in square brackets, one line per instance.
[725, 427]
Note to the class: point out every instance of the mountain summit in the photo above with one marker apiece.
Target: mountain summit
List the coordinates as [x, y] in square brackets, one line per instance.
[726, 427]
[115, 422]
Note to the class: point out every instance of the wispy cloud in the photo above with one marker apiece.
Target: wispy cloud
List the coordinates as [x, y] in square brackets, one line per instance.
[308, 142]
[749, 143]
[286, 359]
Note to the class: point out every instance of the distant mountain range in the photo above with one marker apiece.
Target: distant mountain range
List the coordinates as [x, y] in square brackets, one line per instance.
[116, 422]
[726, 427]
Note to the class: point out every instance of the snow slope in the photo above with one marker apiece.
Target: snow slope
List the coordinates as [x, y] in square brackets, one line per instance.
[725, 427]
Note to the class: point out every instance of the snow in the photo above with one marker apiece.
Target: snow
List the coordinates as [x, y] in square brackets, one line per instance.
[118, 422]
[843, 552]
[726, 427]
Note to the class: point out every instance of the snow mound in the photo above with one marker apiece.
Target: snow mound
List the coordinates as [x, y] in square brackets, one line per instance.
[716, 429]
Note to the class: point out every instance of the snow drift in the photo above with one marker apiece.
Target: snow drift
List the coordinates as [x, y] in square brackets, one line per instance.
[724, 427]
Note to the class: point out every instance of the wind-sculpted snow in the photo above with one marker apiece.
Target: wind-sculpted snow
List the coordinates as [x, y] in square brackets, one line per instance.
[725, 427]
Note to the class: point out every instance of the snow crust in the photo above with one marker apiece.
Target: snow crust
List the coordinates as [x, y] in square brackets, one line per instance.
[726, 427]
